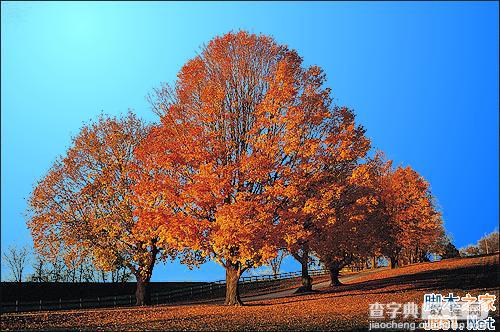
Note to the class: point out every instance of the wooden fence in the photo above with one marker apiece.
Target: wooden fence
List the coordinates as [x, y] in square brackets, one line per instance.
[213, 290]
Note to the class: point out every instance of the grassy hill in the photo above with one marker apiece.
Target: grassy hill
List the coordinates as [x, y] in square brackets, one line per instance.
[341, 308]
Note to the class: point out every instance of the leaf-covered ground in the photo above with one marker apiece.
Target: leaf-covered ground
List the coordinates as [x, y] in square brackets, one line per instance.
[343, 308]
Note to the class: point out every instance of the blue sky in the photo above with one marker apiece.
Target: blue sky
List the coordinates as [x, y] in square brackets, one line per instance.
[422, 77]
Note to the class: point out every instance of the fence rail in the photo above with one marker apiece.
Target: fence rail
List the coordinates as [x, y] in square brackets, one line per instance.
[216, 289]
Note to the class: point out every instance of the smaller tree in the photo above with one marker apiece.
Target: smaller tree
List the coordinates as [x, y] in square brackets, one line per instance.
[84, 206]
[58, 270]
[412, 224]
[275, 263]
[450, 251]
[469, 251]
[489, 243]
[486, 245]
[39, 270]
[17, 260]
[346, 235]
[444, 246]
[318, 188]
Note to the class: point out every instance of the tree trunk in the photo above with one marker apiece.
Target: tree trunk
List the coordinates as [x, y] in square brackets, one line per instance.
[334, 275]
[374, 262]
[232, 289]
[306, 278]
[142, 296]
[304, 260]
[394, 262]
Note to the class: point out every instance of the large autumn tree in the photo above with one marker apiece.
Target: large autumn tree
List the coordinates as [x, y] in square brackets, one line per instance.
[83, 207]
[242, 117]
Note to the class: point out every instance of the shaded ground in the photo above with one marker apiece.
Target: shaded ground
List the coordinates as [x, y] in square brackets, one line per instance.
[345, 307]
[50, 291]
[319, 283]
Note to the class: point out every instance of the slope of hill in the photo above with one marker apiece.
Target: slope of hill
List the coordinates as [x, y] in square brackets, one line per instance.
[341, 308]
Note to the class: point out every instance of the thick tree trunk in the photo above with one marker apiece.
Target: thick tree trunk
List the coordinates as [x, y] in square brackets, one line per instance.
[334, 275]
[306, 278]
[304, 260]
[142, 291]
[232, 283]
[143, 276]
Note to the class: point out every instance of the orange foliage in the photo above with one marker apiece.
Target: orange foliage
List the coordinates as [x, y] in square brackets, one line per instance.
[243, 133]
[411, 221]
[84, 205]
[250, 156]
[376, 210]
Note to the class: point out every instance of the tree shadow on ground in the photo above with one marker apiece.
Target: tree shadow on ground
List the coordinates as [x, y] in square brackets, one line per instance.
[462, 278]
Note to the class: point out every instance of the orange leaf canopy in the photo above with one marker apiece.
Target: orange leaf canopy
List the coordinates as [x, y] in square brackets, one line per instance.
[244, 121]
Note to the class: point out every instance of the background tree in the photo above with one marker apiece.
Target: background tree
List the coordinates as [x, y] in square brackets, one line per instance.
[444, 246]
[56, 270]
[489, 243]
[329, 147]
[486, 245]
[275, 262]
[346, 230]
[411, 222]
[450, 251]
[469, 251]
[17, 260]
[83, 208]
[39, 270]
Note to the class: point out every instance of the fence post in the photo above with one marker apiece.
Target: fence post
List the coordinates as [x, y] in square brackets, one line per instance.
[130, 299]
[98, 301]
[40, 304]
[17, 305]
[114, 301]
[80, 303]
[60, 304]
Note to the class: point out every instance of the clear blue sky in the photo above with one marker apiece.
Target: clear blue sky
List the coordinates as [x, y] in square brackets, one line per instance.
[422, 77]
